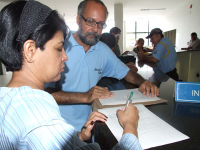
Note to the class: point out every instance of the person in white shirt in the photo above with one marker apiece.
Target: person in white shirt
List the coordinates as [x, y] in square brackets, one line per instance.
[194, 42]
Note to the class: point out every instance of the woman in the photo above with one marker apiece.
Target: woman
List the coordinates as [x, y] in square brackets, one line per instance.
[31, 46]
[139, 46]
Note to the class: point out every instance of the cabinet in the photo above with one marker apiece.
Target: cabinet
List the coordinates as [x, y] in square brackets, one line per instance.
[188, 66]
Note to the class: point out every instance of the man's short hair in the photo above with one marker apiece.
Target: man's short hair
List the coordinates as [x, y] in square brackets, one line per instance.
[108, 39]
[115, 30]
[193, 34]
[82, 5]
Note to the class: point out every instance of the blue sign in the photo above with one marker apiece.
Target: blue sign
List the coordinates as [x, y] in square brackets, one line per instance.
[187, 92]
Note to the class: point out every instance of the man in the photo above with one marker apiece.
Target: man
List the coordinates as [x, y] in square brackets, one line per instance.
[164, 54]
[89, 61]
[194, 42]
[116, 32]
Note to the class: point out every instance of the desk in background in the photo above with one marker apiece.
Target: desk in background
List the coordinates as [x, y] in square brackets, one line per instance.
[188, 65]
[185, 117]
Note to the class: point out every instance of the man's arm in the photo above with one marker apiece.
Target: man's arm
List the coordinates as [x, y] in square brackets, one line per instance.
[134, 78]
[143, 57]
[188, 48]
[145, 87]
[96, 92]
[150, 50]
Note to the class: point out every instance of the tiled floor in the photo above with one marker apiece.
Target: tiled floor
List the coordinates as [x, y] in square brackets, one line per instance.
[4, 79]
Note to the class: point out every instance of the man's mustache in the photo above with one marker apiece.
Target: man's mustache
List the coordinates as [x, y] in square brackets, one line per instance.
[92, 33]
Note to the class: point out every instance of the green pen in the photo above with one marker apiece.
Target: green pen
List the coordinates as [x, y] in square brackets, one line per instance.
[129, 99]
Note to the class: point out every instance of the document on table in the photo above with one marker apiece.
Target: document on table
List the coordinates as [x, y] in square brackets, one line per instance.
[152, 131]
[121, 97]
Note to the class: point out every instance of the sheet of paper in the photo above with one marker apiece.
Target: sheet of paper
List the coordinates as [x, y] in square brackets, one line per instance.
[152, 131]
[121, 97]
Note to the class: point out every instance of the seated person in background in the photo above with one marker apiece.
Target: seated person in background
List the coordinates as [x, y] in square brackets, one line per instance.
[194, 42]
[110, 41]
[139, 46]
[116, 32]
[31, 45]
[164, 54]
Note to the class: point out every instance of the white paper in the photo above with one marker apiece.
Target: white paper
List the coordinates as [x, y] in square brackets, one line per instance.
[152, 131]
[132, 53]
[121, 97]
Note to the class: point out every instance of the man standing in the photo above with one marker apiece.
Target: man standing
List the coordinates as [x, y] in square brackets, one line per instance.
[164, 54]
[116, 32]
[194, 42]
[89, 61]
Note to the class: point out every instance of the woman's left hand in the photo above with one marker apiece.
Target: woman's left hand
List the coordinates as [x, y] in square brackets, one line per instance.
[85, 133]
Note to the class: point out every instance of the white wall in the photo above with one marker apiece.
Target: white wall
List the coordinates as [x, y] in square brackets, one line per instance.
[2, 4]
[185, 21]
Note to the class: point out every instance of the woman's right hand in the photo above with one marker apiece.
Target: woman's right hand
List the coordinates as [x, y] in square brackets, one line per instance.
[128, 119]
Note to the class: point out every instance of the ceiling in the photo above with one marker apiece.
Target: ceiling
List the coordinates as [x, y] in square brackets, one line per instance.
[132, 8]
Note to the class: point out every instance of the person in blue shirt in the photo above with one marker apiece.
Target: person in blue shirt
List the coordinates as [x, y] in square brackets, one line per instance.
[89, 61]
[31, 46]
[164, 54]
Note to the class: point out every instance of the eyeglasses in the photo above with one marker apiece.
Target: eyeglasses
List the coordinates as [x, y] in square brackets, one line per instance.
[91, 22]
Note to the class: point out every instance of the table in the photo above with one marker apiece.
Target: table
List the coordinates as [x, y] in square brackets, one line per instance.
[185, 117]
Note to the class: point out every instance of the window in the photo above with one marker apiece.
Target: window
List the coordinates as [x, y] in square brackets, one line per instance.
[134, 31]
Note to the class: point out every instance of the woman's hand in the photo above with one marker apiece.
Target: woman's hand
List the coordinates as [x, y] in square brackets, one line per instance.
[128, 119]
[85, 133]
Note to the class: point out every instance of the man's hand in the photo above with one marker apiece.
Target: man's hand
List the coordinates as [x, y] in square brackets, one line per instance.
[128, 119]
[97, 92]
[184, 48]
[146, 87]
[85, 133]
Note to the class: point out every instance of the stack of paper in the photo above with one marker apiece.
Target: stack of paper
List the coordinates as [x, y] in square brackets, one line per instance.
[121, 97]
[152, 130]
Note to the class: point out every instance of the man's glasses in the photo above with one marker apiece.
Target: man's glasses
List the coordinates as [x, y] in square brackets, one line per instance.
[92, 22]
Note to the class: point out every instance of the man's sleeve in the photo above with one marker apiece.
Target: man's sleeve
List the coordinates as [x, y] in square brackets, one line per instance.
[160, 51]
[196, 44]
[114, 67]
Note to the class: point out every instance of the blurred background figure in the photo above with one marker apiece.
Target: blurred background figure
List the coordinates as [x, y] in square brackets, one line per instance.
[164, 54]
[110, 41]
[140, 46]
[194, 42]
[116, 32]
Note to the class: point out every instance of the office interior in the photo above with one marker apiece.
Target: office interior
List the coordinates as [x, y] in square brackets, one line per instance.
[178, 19]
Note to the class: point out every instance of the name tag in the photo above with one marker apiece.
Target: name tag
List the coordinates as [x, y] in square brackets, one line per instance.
[187, 92]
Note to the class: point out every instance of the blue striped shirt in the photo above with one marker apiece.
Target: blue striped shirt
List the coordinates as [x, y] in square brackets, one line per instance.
[30, 119]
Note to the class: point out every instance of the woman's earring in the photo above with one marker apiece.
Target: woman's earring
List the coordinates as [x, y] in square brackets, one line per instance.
[31, 60]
